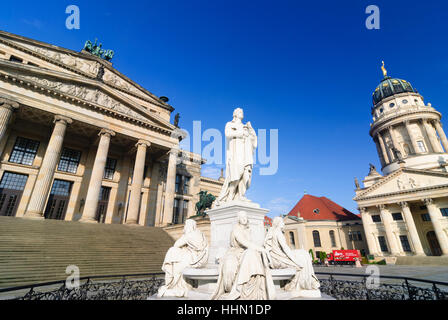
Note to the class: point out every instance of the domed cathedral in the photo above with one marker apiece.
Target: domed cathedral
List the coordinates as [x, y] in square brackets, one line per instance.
[405, 209]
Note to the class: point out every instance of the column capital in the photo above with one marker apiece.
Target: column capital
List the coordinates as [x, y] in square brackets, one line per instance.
[407, 122]
[174, 150]
[7, 103]
[143, 142]
[62, 118]
[403, 204]
[108, 132]
[362, 209]
[428, 201]
[381, 207]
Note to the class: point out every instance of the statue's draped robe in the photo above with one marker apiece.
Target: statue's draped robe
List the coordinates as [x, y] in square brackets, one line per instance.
[189, 251]
[243, 271]
[239, 153]
[283, 257]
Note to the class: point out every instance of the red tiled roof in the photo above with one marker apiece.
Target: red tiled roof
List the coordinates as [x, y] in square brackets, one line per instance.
[267, 221]
[327, 209]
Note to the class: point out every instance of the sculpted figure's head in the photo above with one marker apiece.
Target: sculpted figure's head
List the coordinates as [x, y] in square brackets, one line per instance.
[242, 218]
[238, 114]
[190, 226]
[278, 223]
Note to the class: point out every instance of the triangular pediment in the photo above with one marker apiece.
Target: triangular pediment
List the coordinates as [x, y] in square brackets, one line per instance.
[404, 181]
[81, 90]
[78, 63]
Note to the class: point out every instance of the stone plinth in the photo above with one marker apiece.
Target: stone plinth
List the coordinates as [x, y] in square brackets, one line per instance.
[222, 220]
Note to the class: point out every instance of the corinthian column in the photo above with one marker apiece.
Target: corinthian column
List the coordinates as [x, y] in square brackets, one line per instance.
[169, 187]
[412, 137]
[412, 229]
[436, 147]
[441, 135]
[387, 223]
[366, 221]
[137, 182]
[7, 107]
[383, 149]
[96, 179]
[394, 139]
[436, 216]
[42, 186]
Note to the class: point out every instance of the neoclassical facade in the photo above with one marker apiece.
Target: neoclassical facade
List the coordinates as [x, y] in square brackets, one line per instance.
[319, 224]
[405, 210]
[80, 141]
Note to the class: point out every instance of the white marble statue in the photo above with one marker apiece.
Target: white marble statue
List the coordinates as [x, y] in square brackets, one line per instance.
[304, 283]
[244, 269]
[190, 250]
[241, 142]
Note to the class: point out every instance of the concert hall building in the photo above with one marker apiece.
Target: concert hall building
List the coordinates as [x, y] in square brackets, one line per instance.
[80, 141]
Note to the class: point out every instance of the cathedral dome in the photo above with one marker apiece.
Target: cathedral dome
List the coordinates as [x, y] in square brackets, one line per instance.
[390, 86]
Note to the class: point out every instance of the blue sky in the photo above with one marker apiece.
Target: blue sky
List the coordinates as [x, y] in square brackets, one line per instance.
[307, 70]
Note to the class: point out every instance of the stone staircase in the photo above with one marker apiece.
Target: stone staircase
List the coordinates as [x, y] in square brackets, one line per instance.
[33, 251]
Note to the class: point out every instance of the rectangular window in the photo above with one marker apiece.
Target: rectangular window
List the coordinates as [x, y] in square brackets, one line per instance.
[444, 212]
[358, 236]
[350, 236]
[185, 211]
[178, 183]
[186, 188]
[383, 244]
[109, 169]
[421, 146]
[69, 160]
[376, 218]
[426, 217]
[24, 151]
[176, 211]
[397, 216]
[13, 181]
[405, 244]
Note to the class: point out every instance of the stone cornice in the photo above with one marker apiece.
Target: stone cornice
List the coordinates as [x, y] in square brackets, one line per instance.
[403, 192]
[212, 181]
[381, 124]
[391, 176]
[154, 99]
[32, 85]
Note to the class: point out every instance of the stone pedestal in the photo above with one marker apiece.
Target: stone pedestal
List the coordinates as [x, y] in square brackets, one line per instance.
[222, 220]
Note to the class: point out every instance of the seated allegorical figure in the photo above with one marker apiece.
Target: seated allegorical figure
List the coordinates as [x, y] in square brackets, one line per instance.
[282, 256]
[189, 251]
[244, 269]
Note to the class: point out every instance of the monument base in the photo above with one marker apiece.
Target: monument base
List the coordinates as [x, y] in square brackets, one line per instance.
[222, 220]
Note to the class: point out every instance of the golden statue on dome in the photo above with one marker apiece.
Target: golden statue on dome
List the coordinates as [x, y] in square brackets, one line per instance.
[384, 70]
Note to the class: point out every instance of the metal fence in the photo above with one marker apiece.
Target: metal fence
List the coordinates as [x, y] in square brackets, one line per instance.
[340, 286]
[383, 287]
[112, 287]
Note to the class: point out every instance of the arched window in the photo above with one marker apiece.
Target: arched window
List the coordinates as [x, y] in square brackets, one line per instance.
[316, 238]
[332, 238]
[291, 239]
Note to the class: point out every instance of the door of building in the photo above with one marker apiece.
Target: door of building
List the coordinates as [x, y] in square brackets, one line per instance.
[102, 204]
[11, 189]
[58, 200]
[434, 243]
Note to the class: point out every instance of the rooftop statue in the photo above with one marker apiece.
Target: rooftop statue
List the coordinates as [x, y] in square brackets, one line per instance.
[241, 142]
[96, 50]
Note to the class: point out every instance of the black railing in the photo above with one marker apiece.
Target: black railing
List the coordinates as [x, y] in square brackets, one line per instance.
[142, 286]
[111, 287]
[372, 287]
